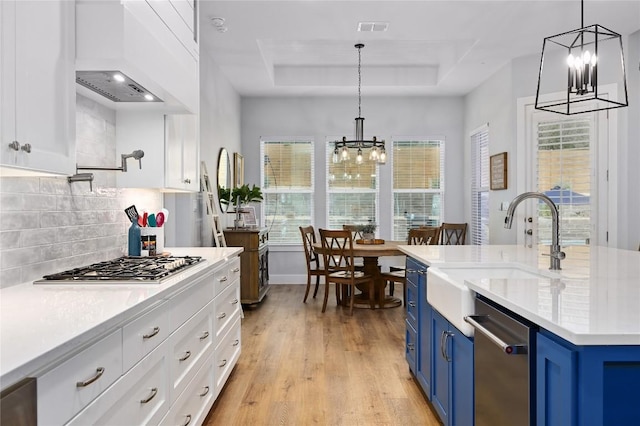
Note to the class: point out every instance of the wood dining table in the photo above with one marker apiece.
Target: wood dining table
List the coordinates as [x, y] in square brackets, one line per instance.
[370, 253]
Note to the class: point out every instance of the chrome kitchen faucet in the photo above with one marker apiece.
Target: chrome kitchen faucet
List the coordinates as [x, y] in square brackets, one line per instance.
[555, 253]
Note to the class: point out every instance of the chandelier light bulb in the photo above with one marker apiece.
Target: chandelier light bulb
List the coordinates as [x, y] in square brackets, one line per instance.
[359, 156]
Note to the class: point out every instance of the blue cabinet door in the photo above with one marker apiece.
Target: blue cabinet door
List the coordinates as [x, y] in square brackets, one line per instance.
[441, 378]
[555, 384]
[424, 346]
[462, 385]
[411, 347]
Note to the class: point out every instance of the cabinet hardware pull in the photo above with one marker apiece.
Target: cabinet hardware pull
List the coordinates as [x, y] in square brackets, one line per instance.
[235, 302]
[188, 420]
[235, 270]
[412, 304]
[515, 349]
[411, 346]
[224, 362]
[154, 392]
[223, 279]
[222, 315]
[155, 331]
[206, 391]
[236, 342]
[204, 335]
[187, 181]
[99, 373]
[15, 145]
[446, 334]
[442, 345]
[186, 356]
[26, 148]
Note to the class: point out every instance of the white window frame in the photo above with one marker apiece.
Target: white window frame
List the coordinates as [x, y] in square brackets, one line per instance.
[329, 147]
[440, 191]
[287, 139]
[479, 139]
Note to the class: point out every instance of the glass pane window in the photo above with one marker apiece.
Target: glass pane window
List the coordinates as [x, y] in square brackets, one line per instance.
[480, 186]
[287, 186]
[418, 184]
[352, 191]
[564, 175]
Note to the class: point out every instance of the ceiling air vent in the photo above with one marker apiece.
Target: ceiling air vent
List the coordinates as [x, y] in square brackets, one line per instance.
[115, 86]
[369, 27]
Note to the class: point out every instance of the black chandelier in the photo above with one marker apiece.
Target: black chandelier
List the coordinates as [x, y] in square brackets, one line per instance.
[580, 63]
[341, 148]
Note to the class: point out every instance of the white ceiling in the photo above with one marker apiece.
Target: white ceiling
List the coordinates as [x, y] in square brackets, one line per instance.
[306, 47]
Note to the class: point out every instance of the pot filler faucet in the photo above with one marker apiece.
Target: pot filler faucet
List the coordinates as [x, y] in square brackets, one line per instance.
[88, 177]
[556, 254]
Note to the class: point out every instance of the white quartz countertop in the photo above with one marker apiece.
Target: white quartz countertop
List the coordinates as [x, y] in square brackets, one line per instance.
[595, 300]
[41, 323]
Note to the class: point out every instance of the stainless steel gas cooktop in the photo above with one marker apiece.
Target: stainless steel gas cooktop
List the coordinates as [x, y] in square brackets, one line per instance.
[124, 269]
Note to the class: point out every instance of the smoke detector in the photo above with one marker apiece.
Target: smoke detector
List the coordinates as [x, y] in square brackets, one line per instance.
[218, 24]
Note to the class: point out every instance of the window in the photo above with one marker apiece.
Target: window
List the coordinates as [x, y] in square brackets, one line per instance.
[480, 186]
[564, 174]
[287, 186]
[352, 191]
[418, 184]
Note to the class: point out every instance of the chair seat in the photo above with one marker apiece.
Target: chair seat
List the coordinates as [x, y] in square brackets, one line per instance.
[400, 275]
[347, 274]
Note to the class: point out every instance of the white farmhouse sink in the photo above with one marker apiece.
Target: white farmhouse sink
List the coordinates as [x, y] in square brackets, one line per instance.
[448, 294]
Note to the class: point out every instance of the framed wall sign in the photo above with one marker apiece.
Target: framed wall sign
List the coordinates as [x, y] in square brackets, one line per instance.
[249, 216]
[498, 171]
[238, 170]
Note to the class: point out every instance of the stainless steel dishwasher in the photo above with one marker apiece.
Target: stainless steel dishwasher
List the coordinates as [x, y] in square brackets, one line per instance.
[504, 372]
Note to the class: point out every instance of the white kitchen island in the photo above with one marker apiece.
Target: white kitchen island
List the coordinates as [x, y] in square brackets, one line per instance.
[50, 331]
[587, 317]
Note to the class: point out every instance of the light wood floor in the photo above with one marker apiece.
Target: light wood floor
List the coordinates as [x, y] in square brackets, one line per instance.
[300, 367]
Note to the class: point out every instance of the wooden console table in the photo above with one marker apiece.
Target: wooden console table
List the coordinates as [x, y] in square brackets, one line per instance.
[254, 262]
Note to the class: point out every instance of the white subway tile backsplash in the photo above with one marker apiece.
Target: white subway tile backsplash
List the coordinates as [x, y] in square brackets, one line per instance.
[48, 225]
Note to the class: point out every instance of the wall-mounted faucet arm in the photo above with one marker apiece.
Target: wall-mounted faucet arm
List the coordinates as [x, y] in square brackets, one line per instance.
[556, 254]
[137, 154]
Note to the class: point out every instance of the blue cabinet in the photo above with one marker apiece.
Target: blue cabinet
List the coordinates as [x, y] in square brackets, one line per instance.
[418, 349]
[452, 373]
[412, 333]
[586, 385]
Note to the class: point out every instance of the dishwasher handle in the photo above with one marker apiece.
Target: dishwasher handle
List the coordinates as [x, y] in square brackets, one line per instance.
[515, 349]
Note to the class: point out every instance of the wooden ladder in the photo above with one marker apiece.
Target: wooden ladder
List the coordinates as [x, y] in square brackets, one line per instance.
[205, 186]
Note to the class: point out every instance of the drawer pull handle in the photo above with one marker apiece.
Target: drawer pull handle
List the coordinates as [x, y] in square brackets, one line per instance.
[204, 335]
[186, 356]
[188, 420]
[224, 362]
[235, 270]
[412, 304]
[155, 331]
[235, 302]
[222, 315]
[99, 373]
[223, 279]
[236, 342]
[154, 392]
[206, 391]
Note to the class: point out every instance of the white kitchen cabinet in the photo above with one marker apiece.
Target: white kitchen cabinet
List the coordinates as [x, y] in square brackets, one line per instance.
[37, 87]
[171, 152]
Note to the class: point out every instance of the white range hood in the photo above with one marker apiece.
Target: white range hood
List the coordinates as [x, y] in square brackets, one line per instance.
[131, 38]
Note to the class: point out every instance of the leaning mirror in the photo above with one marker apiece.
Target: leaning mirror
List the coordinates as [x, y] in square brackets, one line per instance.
[224, 180]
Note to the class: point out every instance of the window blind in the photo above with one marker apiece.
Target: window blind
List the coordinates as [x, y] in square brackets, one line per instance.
[287, 184]
[564, 174]
[352, 190]
[418, 184]
[479, 231]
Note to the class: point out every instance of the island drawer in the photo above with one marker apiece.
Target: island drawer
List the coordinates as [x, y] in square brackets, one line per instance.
[145, 333]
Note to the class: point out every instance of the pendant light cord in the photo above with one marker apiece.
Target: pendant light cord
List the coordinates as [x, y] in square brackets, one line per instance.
[359, 81]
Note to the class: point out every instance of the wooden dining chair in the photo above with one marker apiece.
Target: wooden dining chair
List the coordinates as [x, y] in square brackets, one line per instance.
[435, 239]
[417, 236]
[337, 247]
[356, 234]
[453, 234]
[314, 269]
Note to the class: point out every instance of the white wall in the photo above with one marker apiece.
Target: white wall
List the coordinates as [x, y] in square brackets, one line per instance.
[495, 102]
[322, 117]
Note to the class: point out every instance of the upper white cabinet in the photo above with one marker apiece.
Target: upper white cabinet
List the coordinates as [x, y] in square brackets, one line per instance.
[170, 145]
[37, 87]
[153, 42]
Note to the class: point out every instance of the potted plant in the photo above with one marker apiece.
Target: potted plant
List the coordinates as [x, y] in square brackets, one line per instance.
[243, 195]
[368, 231]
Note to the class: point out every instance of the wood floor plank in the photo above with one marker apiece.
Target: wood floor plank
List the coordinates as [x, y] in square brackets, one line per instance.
[301, 367]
